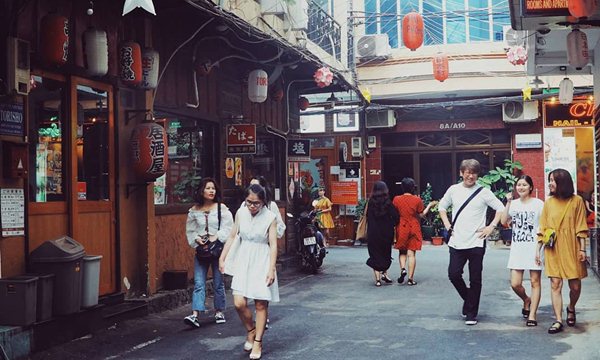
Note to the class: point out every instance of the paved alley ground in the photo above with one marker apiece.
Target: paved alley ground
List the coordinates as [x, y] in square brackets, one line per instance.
[340, 314]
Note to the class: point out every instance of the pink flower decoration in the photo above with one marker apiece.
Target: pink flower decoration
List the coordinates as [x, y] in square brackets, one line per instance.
[323, 77]
[517, 55]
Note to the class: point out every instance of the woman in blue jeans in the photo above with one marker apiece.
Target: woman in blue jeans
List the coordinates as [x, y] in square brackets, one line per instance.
[208, 220]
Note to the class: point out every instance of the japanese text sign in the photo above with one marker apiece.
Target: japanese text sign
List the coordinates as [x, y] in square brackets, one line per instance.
[241, 139]
[298, 150]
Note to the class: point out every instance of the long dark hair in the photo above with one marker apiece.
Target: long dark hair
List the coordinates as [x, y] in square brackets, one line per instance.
[564, 184]
[199, 195]
[380, 199]
[267, 186]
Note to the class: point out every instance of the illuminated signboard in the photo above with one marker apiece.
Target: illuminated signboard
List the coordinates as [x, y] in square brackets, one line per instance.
[578, 113]
[546, 8]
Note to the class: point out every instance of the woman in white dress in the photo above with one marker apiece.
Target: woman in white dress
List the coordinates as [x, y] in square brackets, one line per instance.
[253, 265]
[524, 216]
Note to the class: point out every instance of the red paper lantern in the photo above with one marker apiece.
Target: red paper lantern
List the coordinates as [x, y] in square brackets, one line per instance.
[578, 53]
[440, 67]
[582, 8]
[303, 103]
[54, 40]
[412, 30]
[149, 151]
[130, 63]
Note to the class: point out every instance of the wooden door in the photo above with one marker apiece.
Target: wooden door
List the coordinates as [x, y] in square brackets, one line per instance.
[71, 161]
[92, 174]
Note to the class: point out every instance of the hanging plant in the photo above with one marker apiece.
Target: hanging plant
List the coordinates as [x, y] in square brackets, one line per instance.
[517, 55]
[323, 77]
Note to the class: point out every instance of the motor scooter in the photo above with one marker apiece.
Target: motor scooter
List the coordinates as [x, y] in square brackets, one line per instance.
[310, 241]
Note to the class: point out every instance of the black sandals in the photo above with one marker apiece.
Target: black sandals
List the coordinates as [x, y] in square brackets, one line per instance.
[525, 313]
[402, 276]
[531, 323]
[555, 328]
[571, 320]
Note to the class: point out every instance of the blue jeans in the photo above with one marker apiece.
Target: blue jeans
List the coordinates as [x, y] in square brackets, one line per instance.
[199, 295]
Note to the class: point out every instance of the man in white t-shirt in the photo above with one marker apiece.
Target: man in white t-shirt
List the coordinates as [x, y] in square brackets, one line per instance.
[467, 242]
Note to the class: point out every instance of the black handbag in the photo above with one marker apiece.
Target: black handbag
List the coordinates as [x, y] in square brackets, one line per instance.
[448, 233]
[209, 249]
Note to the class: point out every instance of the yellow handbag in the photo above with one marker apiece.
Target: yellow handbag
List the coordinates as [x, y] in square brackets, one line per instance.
[549, 235]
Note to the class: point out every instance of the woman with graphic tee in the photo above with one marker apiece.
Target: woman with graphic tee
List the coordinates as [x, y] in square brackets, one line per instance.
[524, 216]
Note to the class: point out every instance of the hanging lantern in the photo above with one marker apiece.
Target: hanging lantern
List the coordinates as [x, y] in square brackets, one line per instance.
[150, 59]
[203, 66]
[258, 86]
[517, 55]
[277, 94]
[130, 63]
[440, 67]
[582, 8]
[95, 50]
[412, 30]
[577, 49]
[565, 91]
[54, 40]
[148, 144]
[303, 103]
[323, 77]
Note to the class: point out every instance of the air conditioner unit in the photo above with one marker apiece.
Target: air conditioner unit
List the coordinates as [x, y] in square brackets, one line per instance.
[356, 146]
[520, 111]
[273, 7]
[380, 119]
[18, 65]
[373, 46]
[513, 37]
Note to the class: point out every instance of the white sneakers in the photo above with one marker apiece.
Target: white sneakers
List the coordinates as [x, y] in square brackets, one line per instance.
[220, 317]
[192, 320]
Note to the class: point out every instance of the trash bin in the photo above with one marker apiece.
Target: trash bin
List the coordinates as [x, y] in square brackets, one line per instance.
[18, 300]
[61, 257]
[45, 286]
[91, 280]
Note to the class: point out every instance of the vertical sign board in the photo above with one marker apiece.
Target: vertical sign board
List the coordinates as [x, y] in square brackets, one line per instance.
[241, 139]
[11, 119]
[298, 150]
[12, 203]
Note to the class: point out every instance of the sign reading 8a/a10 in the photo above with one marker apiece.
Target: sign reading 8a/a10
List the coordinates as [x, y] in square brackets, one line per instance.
[241, 139]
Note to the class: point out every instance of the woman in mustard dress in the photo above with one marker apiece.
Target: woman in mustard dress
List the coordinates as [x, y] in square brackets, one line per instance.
[323, 205]
[566, 259]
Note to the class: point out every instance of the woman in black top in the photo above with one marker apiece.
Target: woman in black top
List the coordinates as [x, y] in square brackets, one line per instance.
[382, 216]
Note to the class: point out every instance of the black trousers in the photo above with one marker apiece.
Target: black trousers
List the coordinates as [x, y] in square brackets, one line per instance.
[471, 294]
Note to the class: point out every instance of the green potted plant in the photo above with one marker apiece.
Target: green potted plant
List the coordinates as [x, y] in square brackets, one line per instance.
[501, 181]
[358, 213]
[427, 222]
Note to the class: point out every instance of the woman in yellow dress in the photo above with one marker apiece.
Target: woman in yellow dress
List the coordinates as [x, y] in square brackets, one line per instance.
[566, 259]
[323, 205]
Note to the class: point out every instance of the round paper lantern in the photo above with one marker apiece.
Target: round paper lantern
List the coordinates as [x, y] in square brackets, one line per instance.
[95, 50]
[149, 151]
[577, 49]
[130, 63]
[440, 67]
[412, 30]
[303, 103]
[277, 94]
[565, 91]
[150, 59]
[323, 77]
[582, 8]
[517, 55]
[258, 86]
[54, 40]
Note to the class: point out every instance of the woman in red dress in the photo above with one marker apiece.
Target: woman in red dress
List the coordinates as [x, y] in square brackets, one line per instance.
[408, 230]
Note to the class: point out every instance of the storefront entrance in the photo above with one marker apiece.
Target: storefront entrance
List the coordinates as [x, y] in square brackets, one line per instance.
[435, 158]
[71, 160]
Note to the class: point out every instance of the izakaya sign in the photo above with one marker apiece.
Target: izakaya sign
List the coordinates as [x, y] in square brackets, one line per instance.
[298, 150]
[241, 139]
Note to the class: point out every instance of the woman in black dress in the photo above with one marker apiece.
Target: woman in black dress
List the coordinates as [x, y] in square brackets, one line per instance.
[382, 216]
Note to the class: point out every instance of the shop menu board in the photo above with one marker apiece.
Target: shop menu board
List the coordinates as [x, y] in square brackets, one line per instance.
[12, 203]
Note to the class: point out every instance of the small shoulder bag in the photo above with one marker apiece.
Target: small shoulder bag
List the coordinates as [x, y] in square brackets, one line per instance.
[209, 249]
[449, 232]
[549, 236]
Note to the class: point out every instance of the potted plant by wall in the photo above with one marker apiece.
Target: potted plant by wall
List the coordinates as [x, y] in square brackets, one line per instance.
[427, 222]
[501, 181]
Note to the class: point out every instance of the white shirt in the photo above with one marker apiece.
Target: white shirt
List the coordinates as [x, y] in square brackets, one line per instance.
[465, 233]
[525, 220]
[196, 224]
